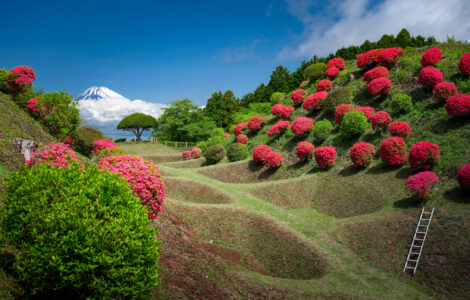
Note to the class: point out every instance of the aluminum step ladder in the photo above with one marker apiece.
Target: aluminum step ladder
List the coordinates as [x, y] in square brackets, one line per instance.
[417, 245]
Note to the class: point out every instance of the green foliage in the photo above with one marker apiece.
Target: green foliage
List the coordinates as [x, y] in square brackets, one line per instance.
[277, 97]
[236, 152]
[253, 109]
[3, 79]
[202, 146]
[403, 38]
[214, 154]
[341, 95]
[80, 233]
[84, 138]
[221, 107]
[401, 102]
[314, 72]
[321, 130]
[353, 123]
[137, 123]
[216, 137]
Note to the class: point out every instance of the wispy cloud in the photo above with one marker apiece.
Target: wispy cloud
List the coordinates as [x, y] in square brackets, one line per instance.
[241, 53]
[350, 22]
[269, 9]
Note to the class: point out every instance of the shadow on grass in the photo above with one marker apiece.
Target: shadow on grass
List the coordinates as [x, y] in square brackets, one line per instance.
[444, 125]
[458, 195]
[268, 173]
[419, 94]
[409, 202]
[381, 168]
[298, 164]
[404, 173]
[350, 171]
[254, 167]
[291, 144]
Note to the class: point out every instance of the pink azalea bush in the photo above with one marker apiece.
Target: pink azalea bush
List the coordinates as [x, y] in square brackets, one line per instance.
[33, 105]
[332, 72]
[422, 184]
[196, 152]
[301, 126]
[341, 110]
[256, 122]
[282, 111]
[324, 85]
[431, 57]
[260, 152]
[361, 154]
[368, 58]
[429, 77]
[278, 128]
[389, 56]
[313, 102]
[399, 128]
[298, 96]
[325, 156]
[367, 111]
[241, 139]
[444, 90]
[464, 64]
[423, 156]
[102, 144]
[54, 154]
[463, 176]
[337, 62]
[458, 105]
[377, 72]
[186, 155]
[19, 77]
[304, 150]
[226, 135]
[239, 127]
[380, 119]
[142, 176]
[274, 159]
[303, 83]
[380, 86]
[393, 151]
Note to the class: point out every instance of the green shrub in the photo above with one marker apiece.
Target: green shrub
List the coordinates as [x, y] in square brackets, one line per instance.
[3, 80]
[341, 95]
[214, 154]
[236, 152]
[78, 233]
[321, 130]
[202, 146]
[84, 138]
[122, 140]
[353, 123]
[314, 72]
[277, 97]
[401, 102]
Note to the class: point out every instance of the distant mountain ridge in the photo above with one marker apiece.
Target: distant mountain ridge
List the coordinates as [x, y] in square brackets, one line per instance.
[98, 92]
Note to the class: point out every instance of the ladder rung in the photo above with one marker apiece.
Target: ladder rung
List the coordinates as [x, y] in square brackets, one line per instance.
[418, 246]
[423, 225]
[420, 232]
[426, 212]
[412, 268]
[413, 260]
[414, 253]
[425, 219]
[419, 239]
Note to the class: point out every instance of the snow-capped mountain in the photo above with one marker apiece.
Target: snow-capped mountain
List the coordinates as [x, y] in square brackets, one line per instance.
[103, 108]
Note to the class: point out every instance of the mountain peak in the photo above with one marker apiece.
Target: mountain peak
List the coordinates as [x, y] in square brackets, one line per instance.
[98, 92]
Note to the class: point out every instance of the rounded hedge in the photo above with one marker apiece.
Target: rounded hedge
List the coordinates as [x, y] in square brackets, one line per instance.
[342, 95]
[80, 233]
[353, 123]
[401, 102]
[214, 154]
[84, 138]
[236, 152]
[277, 97]
[322, 130]
[315, 71]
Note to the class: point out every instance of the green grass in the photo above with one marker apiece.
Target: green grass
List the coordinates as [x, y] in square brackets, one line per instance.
[149, 149]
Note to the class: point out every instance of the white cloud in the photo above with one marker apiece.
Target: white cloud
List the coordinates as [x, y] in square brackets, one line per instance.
[357, 22]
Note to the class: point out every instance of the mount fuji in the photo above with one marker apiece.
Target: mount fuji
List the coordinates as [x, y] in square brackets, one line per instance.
[103, 108]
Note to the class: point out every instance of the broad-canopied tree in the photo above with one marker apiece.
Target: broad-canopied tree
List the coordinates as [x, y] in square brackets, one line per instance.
[137, 123]
[221, 107]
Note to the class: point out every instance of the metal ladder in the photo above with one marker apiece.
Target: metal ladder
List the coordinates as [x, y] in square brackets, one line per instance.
[418, 241]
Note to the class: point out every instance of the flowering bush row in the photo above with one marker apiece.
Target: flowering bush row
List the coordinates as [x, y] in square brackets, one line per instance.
[102, 144]
[393, 151]
[186, 155]
[274, 159]
[366, 110]
[239, 127]
[324, 85]
[196, 152]
[337, 62]
[54, 154]
[389, 56]
[423, 156]
[463, 176]
[20, 76]
[278, 128]
[302, 126]
[464, 64]
[431, 57]
[298, 96]
[422, 184]
[377, 72]
[361, 154]
[282, 111]
[304, 150]
[429, 77]
[260, 152]
[400, 129]
[458, 105]
[256, 122]
[444, 90]
[341, 110]
[325, 156]
[368, 58]
[332, 72]
[241, 139]
[380, 86]
[313, 102]
[380, 119]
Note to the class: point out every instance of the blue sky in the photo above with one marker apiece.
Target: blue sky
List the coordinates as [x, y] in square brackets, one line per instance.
[161, 51]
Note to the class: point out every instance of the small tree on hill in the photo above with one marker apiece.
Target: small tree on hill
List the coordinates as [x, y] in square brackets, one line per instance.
[137, 123]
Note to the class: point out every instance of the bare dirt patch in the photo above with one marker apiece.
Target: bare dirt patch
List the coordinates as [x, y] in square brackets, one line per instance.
[193, 191]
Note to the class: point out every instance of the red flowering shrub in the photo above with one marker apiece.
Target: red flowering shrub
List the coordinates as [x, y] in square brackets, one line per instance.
[393, 151]
[33, 105]
[361, 154]
[367, 111]
[324, 85]
[332, 72]
[431, 57]
[69, 141]
[380, 119]
[285, 112]
[389, 56]
[429, 77]
[337, 62]
[379, 86]
[102, 144]
[260, 152]
[278, 128]
[464, 64]
[303, 83]
[274, 159]
[20, 76]
[377, 72]
[368, 58]
[186, 155]
[422, 184]
[463, 176]
[444, 90]
[298, 96]
[239, 127]
[54, 154]
[241, 139]
[312, 102]
[301, 126]
[276, 108]
[325, 156]
[423, 156]
[226, 135]
[458, 105]
[341, 110]
[142, 176]
[304, 150]
[401, 129]
[196, 152]
[256, 122]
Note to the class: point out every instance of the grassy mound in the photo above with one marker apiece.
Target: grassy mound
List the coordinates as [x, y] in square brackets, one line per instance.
[193, 191]
[164, 158]
[192, 163]
[261, 245]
